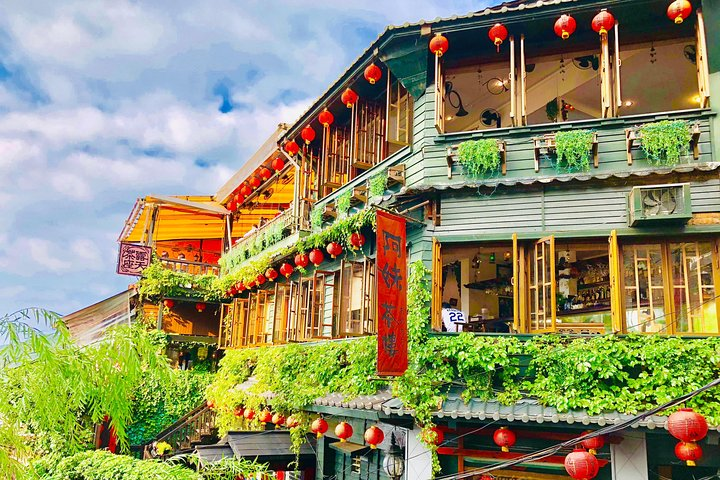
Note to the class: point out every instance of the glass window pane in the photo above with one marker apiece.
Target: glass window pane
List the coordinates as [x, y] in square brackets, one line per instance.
[693, 287]
[644, 294]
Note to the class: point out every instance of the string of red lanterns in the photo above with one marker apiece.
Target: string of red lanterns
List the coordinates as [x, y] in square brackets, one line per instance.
[349, 97]
[319, 426]
[679, 10]
[343, 430]
[372, 74]
[603, 22]
[689, 427]
[307, 134]
[374, 436]
[581, 465]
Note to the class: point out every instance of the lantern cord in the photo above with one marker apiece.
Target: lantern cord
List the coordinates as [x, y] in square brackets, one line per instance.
[546, 452]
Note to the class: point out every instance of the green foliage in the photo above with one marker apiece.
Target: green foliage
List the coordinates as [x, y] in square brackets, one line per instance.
[297, 374]
[157, 402]
[573, 149]
[552, 110]
[665, 142]
[274, 234]
[159, 282]
[628, 375]
[53, 392]
[339, 231]
[231, 469]
[479, 157]
[378, 184]
[103, 465]
[418, 303]
[343, 203]
[316, 217]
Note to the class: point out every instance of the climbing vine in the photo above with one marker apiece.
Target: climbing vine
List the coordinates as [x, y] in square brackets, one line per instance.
[378, 184]
[339, 231]
[343, 203]
[159, 282]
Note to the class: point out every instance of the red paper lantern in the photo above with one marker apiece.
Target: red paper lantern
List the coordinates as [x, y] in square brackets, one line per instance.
[278, 419]
[565, 26]
[688, 452]
[251, 284]
[278, 164]
[239, 199]
[439, 45]
[254, 181]
[373, 73]
[249, 414]
[169, 303]
[307, 134]
[434, 435]
[210, 403]
[504, 438]
[357, 240]
[292, 422]
[232, 206]
[245, 190]
[260, 279]
[593, 444]
[302, 260]
[374, 436]
[349, 97]
[200, 307]
[316, 257]
[498, 33]
[334, 249]
[233, 291]
[319, 427]
[326, 118]
[265, 416]
[687, 425]
[581, 465]
[271, 274]
[238, 411]
[265, 173]
[291, 147]
[240, 287]
[603, 22]
[679, 10]
[343, 431]
[286, 269]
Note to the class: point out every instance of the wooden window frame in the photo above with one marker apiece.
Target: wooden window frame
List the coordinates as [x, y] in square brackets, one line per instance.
[396, 89]
[538, 282]
[702, 61]
[367, 293]
[436, 294]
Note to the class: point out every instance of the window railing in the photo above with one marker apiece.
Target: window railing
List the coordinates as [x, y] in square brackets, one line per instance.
[193, 268]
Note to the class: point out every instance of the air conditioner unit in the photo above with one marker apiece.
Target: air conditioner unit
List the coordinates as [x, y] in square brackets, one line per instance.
[659, 204]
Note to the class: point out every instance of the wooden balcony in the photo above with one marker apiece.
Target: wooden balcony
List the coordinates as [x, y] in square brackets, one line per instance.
[193, 268]
[286, 221]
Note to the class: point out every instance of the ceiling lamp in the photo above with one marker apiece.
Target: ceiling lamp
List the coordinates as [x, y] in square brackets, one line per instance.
[373, 74]
[603, 22]
[679, 10]
[565, 26]
[439, 45]
[349, 97]
[498, 33]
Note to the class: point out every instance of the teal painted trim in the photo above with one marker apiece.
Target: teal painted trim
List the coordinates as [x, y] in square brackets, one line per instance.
[347, 412]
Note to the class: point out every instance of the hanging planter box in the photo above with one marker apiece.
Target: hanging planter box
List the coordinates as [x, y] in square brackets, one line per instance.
[633, 138]
[546, 144]
[452, 157]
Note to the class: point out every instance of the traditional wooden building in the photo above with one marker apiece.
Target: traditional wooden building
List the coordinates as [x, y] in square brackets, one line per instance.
[560, 175]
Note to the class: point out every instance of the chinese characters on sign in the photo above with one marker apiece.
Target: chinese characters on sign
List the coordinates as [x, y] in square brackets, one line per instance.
[391, 294]
[133, 259]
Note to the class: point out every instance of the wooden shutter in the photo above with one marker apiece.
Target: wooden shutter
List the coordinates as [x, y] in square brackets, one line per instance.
[439, 96]
[615, 261]
[543, 304]
[701, 62]
[523, 83]
[617, 64]
[605, 80]
[436, 302]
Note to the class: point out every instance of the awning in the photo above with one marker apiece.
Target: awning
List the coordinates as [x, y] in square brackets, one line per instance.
[178, 218]
[88, 325]
[267, 446]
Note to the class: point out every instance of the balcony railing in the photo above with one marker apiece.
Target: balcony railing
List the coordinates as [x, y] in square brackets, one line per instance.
[286, 221]
[193, 268]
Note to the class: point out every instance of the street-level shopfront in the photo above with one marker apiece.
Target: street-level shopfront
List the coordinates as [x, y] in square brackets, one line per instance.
[662, 284]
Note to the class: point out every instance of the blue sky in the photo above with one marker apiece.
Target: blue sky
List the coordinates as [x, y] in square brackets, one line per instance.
[103, 102]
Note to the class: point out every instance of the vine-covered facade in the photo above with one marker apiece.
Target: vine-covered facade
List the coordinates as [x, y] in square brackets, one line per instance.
[550, 186]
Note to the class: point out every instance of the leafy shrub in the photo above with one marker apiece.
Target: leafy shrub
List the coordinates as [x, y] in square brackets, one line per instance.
[573, 149]
[479, 157]
[378, 184]
[343, 203]
[103, 465]
[665, 142]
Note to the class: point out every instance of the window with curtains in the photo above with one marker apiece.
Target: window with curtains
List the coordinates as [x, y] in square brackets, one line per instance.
[671, 287]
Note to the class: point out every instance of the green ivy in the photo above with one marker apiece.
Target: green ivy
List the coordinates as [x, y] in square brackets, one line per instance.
[343, 203]
[665, 142]
[378, 184]
[479, 157]
[316, 217]
[573, 149]
[340, 231]
[159, 282]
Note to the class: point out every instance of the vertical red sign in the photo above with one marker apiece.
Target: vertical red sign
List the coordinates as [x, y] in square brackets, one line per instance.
[391, 295]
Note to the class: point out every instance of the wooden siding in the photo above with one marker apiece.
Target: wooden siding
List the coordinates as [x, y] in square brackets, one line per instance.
[520, 153]
[550, 209]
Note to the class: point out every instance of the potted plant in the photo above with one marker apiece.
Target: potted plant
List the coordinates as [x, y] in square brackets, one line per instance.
[479, 158]
[573, 149]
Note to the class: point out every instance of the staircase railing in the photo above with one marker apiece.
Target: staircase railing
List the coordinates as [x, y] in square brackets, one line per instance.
[197, 426]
